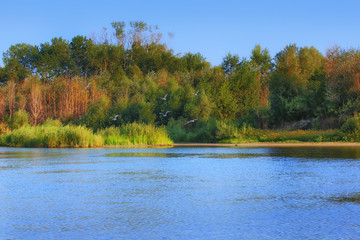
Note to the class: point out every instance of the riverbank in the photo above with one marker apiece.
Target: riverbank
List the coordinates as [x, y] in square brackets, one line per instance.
[271, 144]
[53, 135]
[252, 144]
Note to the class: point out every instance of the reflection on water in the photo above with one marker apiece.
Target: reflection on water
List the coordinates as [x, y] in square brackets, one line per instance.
[180, 193]
[352, 198]
[144, 154]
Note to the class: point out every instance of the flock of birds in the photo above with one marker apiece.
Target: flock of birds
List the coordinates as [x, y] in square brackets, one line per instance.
[161, 113]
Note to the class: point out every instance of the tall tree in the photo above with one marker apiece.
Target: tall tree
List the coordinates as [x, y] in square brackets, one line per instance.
[80, 52]
[55, 60]
[230, 63]
[246, 87]
[261, 60]
[19, 62]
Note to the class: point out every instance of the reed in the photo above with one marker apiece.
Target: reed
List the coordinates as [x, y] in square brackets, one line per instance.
[51, 136]
[135, 134]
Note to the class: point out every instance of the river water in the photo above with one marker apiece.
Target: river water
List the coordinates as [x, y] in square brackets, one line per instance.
[180, 193]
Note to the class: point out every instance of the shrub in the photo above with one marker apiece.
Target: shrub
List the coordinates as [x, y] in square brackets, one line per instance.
[351, 129]
[20, 119]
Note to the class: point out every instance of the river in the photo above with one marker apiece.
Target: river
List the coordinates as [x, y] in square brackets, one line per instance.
[180, 193]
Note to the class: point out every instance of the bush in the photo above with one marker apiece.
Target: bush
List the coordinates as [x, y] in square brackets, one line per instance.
[200, 131]
[351, 129]
[20, 119]
[52, 123]
[97, 114]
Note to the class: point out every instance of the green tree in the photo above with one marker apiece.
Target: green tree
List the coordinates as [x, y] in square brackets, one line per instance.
[230, 63]
[80, 48]
[119, 28]
[246, 87]
[55, 60]
[261, 59]
[226, 104]
[19, 62]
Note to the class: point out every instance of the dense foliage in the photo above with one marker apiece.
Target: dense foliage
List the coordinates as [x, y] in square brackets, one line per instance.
[129, 75]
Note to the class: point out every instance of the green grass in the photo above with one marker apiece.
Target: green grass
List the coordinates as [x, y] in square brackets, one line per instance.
[51, 136]
[231, 132]
[135, 134]
[258, 135]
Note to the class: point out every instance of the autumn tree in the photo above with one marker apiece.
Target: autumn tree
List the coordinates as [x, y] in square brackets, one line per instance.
[35, 97]
[10, 91]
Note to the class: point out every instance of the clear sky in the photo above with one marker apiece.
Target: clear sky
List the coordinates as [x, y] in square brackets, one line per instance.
[213, 28]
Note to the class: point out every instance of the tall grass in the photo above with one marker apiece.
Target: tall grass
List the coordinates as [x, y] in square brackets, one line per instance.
[51, 136]
[232, 132]
[135, 134]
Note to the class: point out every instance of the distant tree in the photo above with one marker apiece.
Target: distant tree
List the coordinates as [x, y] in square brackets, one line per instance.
[194, 62]
[342, 71]
[10, 93]
[19, 62]
[295, 84]
[119, 28]
[310, 60]
[80, 52]
[261, 59]
[35, 100]
[226, 104]
[246, 87]
[55, 60]
[230, 63]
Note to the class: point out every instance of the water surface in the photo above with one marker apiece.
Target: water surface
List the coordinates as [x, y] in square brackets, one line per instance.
[180, 193]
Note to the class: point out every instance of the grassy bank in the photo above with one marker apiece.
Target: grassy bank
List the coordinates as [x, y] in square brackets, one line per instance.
[256, 135]
[231, 132]
[135, 134]
[52, 134]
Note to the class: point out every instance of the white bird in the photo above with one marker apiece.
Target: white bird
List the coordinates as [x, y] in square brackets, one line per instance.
[195, 94]
[191, 121]
[164, 114]
[114, 118]
[164, 98]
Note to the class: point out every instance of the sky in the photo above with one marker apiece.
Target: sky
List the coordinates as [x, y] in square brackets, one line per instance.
[212, 28]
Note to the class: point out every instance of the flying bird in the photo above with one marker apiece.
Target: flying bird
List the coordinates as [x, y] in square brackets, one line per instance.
[164, 114]
[114, 118]
[195, 94]
[191, 121]
[88, 85]
[164, 98]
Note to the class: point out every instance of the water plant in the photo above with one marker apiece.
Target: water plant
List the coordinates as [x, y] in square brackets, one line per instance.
[51, 136]
[135, 134]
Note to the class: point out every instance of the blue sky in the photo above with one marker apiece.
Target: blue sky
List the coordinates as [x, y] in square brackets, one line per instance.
[213, 28]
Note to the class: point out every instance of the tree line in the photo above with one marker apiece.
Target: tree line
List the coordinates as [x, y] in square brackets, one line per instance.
[127, 71]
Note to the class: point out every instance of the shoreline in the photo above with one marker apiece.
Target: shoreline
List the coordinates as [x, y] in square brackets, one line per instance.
[253, 144]
[239, 145]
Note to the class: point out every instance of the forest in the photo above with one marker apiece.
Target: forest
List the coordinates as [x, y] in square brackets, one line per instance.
[127, 77]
